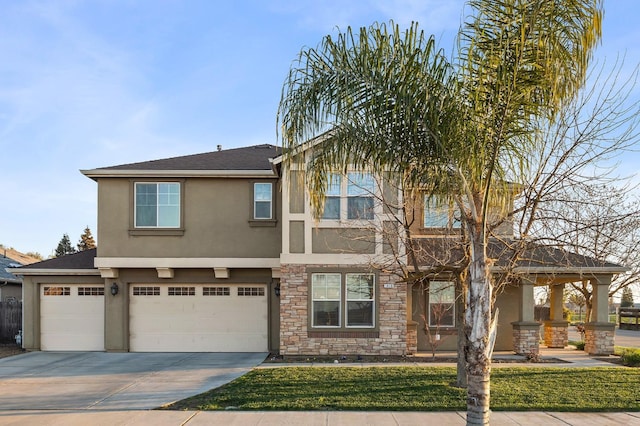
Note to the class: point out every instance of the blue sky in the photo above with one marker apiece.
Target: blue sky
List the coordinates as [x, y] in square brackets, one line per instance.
[87, 84]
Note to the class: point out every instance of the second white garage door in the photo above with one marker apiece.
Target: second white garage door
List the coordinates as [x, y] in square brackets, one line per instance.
[198, 318]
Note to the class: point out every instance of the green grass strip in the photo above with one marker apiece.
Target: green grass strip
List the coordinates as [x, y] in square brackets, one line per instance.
[422, 389]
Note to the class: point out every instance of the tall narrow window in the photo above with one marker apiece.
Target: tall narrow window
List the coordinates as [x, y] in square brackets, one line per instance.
[332, 197]
[262, 201]
[360, 300]
[441, 304]
[360, 190]
[157, 205]
[326, 297]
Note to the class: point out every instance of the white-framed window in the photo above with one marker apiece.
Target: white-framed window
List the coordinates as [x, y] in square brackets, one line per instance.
[442, 305]
[349, 196]
[360, 295]
[326, 292]
[334, 304]
[439, 214]
[157, 205]
[262, 200]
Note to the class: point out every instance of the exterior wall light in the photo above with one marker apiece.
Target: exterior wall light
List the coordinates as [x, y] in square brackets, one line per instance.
[114, 289]
[276, 290]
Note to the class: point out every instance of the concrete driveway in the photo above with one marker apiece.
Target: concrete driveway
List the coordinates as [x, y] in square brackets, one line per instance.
[114, 381]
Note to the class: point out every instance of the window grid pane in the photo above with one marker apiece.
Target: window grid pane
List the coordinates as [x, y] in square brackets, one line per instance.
[326, 298]
[157, 205]
[216, 291]
[90, 291]
[262, 196]
[360, 300]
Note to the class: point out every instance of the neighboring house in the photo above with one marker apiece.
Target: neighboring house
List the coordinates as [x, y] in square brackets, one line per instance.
[220, 252]
[10, 285]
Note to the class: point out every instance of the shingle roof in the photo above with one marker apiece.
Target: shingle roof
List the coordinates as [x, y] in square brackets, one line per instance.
[6, 276]
[248, 158]
[81, 260]
[532, 257]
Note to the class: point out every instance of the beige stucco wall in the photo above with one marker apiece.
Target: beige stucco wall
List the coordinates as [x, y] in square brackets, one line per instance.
[31, 303]
[217, 217]
[11, 290]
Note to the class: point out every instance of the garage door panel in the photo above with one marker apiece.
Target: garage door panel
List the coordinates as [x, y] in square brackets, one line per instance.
[199, 318]
[71, 320]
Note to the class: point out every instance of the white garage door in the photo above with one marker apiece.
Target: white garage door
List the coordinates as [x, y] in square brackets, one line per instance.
[198, 318]
[72, 317]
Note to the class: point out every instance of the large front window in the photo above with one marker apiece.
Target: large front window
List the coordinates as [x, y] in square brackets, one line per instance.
[157, 205]
[349, 196]
[338, 299]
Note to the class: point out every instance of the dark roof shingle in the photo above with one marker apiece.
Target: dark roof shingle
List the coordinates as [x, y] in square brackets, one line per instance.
[81, 260]
[248, 158]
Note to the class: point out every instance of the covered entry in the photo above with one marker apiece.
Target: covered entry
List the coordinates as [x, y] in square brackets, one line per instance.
[198, 318]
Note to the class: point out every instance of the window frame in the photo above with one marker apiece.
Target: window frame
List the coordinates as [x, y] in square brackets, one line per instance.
[343, 301]
[348, 188]
[256, 200]
[158, 205]
[449, 286]
[439, 215]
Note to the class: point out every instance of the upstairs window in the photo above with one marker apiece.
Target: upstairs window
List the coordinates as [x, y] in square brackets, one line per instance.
[262, 201]
[439, 214]
[349, 196]
[157, 205]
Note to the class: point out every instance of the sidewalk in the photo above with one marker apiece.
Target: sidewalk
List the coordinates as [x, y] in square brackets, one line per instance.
[303, 418]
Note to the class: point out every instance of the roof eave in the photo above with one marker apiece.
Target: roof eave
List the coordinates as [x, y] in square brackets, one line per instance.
[119, 173]
[51, 271]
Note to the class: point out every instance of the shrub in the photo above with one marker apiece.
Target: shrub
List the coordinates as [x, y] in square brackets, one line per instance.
[631, 357]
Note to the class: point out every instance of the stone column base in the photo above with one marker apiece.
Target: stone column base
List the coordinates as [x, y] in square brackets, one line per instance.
[412, 337]
[598, 338]
[556, 334]
[526, 337]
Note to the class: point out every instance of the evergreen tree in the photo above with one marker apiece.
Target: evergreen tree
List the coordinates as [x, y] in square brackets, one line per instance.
[627, 298]
[86, 240]
[64, 246]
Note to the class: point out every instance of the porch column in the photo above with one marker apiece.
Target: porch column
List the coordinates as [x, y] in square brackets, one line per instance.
[526, 331]
[599, 333]
[556, 329]
[412, 326]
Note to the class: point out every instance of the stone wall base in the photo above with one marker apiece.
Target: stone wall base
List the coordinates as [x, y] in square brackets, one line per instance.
[526, 337]
[412, 338]
[556, 334]
[599, 338]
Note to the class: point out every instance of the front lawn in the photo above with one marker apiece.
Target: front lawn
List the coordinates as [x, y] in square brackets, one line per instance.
[421, 389]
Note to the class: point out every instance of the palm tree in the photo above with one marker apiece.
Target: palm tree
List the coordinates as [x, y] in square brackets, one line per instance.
[460, 128]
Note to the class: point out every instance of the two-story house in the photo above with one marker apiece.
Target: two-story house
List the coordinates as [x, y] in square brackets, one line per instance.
[221, 252]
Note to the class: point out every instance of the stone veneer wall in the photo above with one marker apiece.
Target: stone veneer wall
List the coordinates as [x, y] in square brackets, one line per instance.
[556, 334]
[599, 339]
[294, 314]
[526, 338]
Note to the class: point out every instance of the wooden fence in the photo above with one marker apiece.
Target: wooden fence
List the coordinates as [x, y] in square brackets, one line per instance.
[629, 318]
[10, 321]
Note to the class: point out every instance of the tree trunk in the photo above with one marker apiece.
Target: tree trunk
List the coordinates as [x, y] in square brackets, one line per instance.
[461, 366]
[478, 321]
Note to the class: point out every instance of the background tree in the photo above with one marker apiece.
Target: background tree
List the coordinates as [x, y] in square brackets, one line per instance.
[64, 247]
[627, 298]
[577, 298]
[86, 240]
[463, 131]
